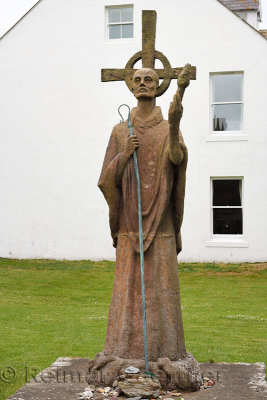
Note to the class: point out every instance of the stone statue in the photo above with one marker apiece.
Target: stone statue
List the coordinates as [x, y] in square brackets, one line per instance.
[162, 160]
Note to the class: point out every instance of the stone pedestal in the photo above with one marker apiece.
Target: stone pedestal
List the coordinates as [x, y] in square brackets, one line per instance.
[67, 378]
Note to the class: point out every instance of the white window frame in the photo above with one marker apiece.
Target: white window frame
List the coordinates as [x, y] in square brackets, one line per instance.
[107, 24]
[225, 240]
[226, 135]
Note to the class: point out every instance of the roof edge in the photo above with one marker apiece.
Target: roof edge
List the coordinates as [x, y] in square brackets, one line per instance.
[245, 22]
[38, 1]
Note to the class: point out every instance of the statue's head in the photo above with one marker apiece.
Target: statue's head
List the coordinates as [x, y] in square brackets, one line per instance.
[145, 83]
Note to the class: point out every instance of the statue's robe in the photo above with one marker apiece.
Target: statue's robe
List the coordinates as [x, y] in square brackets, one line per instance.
[162, 191]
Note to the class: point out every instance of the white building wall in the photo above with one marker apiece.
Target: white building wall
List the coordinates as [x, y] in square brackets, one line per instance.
[251, 17]
[56, 118]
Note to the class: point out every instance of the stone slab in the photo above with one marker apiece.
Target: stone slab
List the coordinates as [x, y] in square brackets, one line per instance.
[67, 377]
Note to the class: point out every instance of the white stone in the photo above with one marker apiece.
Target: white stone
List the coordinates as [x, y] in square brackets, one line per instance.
[132, 370]
[88, 394]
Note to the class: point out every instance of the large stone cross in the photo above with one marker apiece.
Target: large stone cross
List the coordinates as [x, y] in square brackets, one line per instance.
[148, 54]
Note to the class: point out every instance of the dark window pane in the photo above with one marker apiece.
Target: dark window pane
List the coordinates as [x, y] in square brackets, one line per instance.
[227, 221]
[114, 15]
[227, 192]
[127, 31]
[227, 117]
[127, 14]
[227, 87]
[115, 31]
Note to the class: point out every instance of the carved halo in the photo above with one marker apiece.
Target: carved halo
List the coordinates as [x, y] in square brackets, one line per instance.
[129, 71]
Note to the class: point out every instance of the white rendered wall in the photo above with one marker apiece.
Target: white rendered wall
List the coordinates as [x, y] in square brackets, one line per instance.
[56, 118]
[251, 17]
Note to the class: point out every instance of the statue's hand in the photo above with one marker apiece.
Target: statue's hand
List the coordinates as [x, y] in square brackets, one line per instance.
[131, 144]
[175, 110]
[184, 77]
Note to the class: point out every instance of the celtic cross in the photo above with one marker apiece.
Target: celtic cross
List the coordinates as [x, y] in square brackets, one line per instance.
[148, 54]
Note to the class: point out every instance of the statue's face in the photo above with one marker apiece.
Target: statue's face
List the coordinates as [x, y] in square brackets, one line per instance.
[145, 83]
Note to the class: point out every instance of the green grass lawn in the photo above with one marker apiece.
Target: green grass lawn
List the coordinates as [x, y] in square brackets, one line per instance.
[51, 309]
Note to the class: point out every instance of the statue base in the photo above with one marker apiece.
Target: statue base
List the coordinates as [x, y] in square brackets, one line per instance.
[67, 377]
[184, 373]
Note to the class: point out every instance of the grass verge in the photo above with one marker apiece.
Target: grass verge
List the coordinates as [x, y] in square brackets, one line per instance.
[51, 309]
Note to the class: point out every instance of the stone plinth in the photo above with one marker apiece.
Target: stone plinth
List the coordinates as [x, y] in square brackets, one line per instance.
[233, 381]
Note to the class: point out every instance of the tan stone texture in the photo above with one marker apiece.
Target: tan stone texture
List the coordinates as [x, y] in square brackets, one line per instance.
[162, 190]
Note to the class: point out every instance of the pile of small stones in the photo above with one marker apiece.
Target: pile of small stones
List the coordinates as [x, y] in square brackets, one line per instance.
[208, 383]
[174, 394]
[92, 391]
[108, 393]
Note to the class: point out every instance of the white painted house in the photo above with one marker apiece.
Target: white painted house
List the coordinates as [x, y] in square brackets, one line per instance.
[248, 10]
[57, 115]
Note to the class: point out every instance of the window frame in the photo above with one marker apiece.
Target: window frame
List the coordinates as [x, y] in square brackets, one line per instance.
[228, 133]
[108, 24]
[212, 207]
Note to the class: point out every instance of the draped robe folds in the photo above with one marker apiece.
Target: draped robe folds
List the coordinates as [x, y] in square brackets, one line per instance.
[162, 192]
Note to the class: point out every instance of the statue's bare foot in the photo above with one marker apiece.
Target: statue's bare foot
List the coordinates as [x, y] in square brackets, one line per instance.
[165, 365]
[101, 360]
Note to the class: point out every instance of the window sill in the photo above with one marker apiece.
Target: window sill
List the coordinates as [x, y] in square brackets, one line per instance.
[125, 40]
[227, 137]
[223, 241]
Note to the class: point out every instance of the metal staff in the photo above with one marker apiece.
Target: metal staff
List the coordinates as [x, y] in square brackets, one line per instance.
[140, 237]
